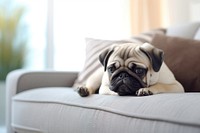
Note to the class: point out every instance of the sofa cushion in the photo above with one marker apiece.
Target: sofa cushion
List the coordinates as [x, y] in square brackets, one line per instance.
[188, 30]
[95, 46]
[183, 57]
[197, 35]
[93, 50]
[62, 110]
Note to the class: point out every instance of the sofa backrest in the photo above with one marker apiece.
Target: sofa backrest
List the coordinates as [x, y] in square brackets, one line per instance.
[191, 31]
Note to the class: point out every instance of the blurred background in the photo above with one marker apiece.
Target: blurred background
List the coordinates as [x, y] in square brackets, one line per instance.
[50, 34]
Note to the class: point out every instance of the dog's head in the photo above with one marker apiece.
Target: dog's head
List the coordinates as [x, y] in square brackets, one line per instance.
[130, 66]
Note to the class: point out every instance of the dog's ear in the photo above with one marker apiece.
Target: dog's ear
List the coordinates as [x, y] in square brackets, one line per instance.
[104, 56]
[155, 55]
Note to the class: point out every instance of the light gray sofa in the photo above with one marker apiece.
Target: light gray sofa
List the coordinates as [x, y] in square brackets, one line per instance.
[44, 102]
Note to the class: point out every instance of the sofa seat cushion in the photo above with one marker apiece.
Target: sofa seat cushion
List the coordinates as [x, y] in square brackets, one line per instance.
[62, 110]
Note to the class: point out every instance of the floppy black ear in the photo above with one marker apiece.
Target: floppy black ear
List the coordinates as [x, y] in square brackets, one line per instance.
[104, 56]
[155, 55]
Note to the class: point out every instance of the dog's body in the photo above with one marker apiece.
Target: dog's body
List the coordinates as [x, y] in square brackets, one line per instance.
[131, 69]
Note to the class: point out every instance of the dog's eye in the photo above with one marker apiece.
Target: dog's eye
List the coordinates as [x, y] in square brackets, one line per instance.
[140, 71]
[111, 69]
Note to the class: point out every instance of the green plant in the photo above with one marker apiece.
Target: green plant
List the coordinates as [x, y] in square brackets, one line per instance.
[12, 41]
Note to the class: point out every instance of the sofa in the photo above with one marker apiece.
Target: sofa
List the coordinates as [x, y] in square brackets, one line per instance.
[46, 101]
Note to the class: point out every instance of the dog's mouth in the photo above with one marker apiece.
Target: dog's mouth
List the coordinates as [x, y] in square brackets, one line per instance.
[125, 83]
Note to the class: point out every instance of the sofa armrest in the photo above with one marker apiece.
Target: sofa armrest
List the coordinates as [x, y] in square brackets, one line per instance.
[21, 80]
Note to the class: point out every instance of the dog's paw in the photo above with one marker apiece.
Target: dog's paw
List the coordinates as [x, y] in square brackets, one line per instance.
[144, 92]
[83, 91]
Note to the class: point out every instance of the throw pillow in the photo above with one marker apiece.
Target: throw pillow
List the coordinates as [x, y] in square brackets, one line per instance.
[95, 46]
[183, 58]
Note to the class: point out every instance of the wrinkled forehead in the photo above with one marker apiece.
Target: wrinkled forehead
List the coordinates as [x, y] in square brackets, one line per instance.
[125, 51]
[129, 52]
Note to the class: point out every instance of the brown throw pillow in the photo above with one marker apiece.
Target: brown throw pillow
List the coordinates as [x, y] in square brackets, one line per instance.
[183, 58]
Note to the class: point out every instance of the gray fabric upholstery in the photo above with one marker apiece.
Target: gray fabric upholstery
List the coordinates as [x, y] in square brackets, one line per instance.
[197, 35]
[21, 80]
[61, 110]
[44, 102]
[187, 30]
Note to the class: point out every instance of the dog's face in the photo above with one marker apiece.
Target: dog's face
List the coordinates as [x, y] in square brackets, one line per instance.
[130, 67]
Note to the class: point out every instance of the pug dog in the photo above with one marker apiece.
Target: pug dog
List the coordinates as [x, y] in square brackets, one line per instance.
[131, 69]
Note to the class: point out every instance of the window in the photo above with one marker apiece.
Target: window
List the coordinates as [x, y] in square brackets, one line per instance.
[58, 29]
[74, 20]
[35, 19]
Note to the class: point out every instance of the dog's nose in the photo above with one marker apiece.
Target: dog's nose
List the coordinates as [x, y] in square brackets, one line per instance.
[123, 75]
